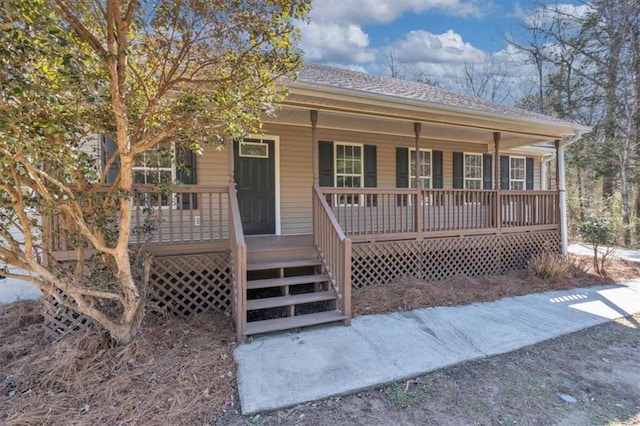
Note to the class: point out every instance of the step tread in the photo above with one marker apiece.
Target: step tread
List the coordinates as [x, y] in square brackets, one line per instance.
[279, 324]
[257, 266]
[293, 299]
[279, 282]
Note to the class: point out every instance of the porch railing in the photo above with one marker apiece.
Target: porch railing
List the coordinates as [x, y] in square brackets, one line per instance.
[379, 213]
[334, 248]
[175, 215]
[238, 252]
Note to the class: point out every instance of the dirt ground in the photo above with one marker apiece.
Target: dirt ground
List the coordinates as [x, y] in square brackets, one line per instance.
[179, 372]
[598, 367]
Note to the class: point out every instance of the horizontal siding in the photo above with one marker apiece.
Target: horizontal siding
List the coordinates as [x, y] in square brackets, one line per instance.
[296, 169]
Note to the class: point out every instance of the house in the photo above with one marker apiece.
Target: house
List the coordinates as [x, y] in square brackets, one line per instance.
[357, 180]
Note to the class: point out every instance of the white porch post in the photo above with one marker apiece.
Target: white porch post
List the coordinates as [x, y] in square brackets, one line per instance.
[314, 143]
[543, 174]
[562, 194]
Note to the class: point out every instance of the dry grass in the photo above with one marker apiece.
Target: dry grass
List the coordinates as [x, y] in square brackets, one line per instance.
[174, 373]
[409, 293]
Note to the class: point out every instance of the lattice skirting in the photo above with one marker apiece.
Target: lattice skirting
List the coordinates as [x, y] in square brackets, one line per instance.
[439, 258]
[61, 321]
[189, 284]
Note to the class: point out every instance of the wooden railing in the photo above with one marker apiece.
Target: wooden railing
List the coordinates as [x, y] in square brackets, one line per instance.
[161, 216]
[238, 252]
[379, 213]
[335, 250]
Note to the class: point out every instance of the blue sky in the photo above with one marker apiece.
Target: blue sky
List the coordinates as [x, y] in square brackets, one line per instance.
[434, 38]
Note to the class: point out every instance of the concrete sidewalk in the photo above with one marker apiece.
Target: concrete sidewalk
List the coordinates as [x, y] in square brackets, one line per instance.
[278, 371]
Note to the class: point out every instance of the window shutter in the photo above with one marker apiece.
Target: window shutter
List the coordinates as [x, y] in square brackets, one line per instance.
[402, 173]
[436, 168]
[371, 172]
[402, 167]
[504, 172]
[187, 175]
[487, 171]
[109, 148]
[458, 170]
[325, 157]
[529, 173]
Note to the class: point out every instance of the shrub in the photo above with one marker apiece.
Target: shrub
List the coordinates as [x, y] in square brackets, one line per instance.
[601, 236]
[549, 265]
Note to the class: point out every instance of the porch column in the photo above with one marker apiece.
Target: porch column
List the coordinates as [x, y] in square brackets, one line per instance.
[230, 162]
[496, 182]
[417, 205]
[314, 143]
[562, 195]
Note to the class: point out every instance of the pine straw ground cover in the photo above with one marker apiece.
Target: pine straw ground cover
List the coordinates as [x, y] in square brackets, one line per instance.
[175, 372]
[409, 293]
[182, 373]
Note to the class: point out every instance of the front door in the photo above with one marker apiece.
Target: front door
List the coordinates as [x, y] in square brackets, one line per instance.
[254, 167]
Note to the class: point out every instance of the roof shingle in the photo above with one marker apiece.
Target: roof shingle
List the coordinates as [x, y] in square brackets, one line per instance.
[367, 83]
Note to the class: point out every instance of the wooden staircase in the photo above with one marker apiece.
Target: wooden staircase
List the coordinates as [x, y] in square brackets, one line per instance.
[287, 287]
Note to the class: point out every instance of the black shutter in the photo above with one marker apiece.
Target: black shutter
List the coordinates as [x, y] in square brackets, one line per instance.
[504, 172]
[487, 171]
[458, 170]
[529, 173]
[436, 167]
[371, 172]
[187, 175]
[325, 157]
[109, 148]
[402, 173]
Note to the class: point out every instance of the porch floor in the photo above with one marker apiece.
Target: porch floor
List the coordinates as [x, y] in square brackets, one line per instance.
[282, 370]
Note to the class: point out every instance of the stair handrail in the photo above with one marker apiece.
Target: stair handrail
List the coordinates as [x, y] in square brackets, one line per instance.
[238, 253]
[334, 248]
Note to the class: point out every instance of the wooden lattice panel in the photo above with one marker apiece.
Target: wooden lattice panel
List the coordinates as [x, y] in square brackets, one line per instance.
[517, 249]
[472, 256]
[380, 263]
[60, 321]
[186, 285]
[440, 258]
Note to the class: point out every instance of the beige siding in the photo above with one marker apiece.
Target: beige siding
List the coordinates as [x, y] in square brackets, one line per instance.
[296, 167]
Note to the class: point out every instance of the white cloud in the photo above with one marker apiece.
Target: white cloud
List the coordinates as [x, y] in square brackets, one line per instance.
[423, 46]
[547, 15]
[386, 11]
[331, 42]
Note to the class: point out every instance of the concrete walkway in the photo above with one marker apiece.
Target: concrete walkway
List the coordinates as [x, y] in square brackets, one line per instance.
[278, 371]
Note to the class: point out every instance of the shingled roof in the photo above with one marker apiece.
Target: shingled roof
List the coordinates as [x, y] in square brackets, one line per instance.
[323, 75]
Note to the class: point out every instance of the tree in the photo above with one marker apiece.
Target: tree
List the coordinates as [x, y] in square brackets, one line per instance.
[487, 79]
[397, 69]
[144, 75]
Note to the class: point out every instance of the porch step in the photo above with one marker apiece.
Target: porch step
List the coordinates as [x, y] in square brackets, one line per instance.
[295, 299]
[287, 323]
[288, 281]
[261, 266]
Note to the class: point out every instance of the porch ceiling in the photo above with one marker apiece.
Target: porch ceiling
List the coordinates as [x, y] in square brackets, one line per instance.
[364, 122]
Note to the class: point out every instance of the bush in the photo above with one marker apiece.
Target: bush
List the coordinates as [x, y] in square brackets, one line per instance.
[551, 266]
[601, 236]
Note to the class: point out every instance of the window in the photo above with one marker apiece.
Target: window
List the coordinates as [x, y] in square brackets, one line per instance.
[155, 167]
[472, 171]
[517, 173]
[348, 170]
[425, 168]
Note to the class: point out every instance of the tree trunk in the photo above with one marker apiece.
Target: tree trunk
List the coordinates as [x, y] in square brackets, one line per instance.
[626, 211]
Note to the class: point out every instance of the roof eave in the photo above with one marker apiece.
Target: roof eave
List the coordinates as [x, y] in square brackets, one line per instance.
[362, 94]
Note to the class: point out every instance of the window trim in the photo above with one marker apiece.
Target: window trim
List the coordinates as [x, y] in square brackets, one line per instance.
[338, 200]
[464, 170]
[524, 179]
[430, 176]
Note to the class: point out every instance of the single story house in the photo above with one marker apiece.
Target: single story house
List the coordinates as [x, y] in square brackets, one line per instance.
[357, 180]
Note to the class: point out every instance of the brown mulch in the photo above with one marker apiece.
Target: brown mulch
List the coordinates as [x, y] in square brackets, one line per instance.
[409, 293]
[175, 372]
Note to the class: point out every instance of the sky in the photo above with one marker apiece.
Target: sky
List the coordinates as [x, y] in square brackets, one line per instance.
[431, 38]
